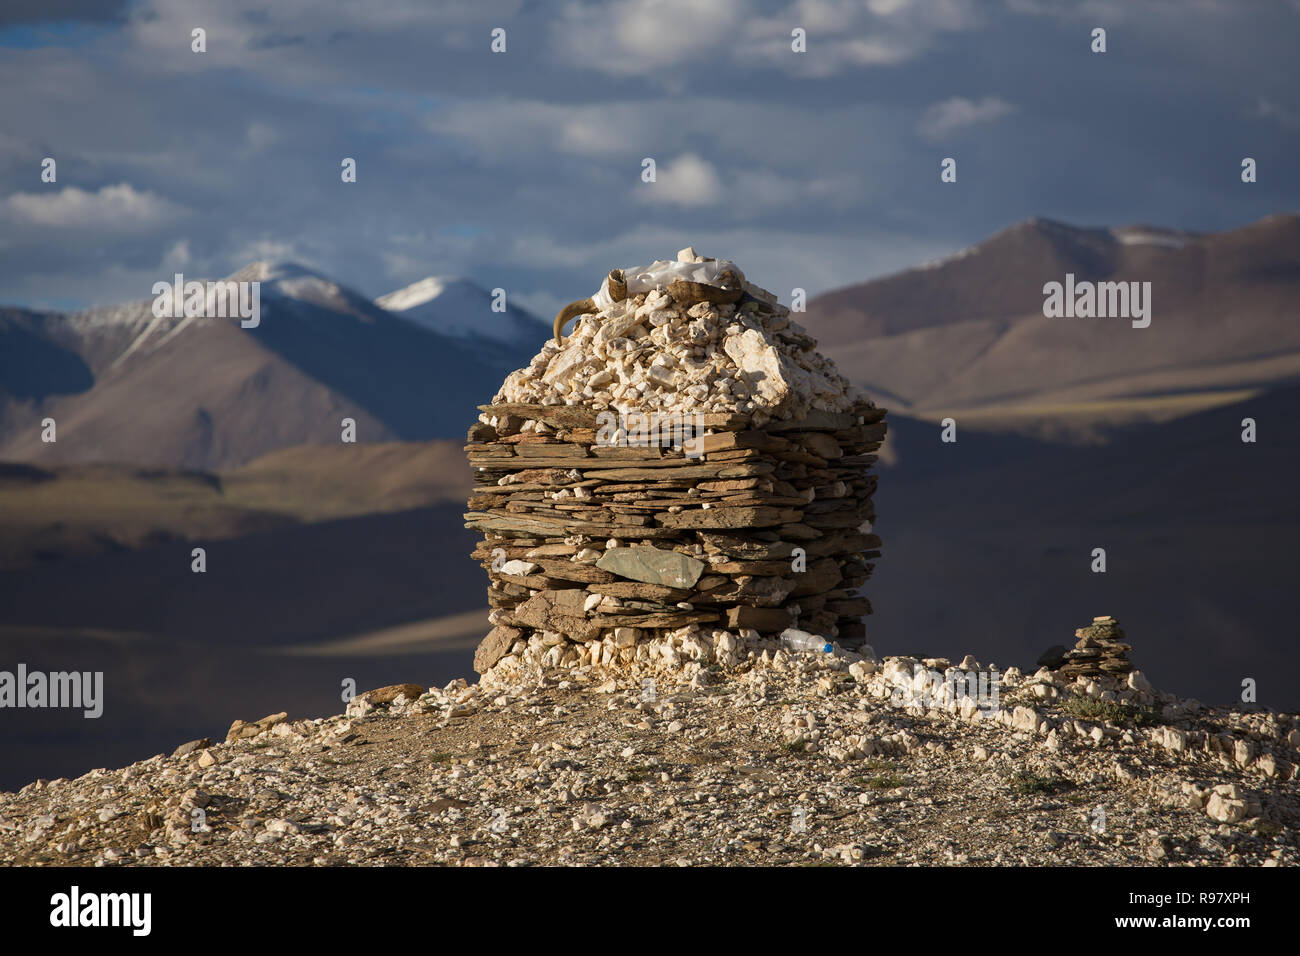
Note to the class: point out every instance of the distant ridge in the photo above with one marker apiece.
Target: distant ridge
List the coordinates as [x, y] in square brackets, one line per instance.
[968, 332]
[124, 385]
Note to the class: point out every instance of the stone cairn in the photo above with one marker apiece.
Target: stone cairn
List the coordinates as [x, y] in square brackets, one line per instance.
[1099, 652]
[613, 536]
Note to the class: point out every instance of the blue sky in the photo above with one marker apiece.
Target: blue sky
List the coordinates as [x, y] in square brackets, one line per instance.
[522, 169]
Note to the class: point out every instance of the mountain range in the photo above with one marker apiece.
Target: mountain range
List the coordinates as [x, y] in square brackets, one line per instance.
[123, 385]
[966, 336]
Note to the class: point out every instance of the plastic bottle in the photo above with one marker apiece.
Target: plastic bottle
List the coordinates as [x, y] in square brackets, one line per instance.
[793, 639]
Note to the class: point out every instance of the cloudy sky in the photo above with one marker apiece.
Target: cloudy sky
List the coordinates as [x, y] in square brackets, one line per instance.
[523, 169]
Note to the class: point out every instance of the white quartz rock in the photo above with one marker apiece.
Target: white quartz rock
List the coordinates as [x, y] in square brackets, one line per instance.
[563, 365]
[761, 364]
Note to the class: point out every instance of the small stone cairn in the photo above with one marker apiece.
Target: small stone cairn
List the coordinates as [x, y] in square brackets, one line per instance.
[1099, 652]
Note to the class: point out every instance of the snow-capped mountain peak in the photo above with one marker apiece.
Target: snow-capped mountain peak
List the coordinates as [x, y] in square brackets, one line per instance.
[460, 307]
[418, 293]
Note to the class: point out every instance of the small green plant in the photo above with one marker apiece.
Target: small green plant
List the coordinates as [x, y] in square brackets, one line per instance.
[1109, 711]
[1027, 784]
[882, 781]
[1267, 829]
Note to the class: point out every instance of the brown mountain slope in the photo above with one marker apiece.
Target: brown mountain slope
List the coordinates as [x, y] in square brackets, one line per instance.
[969, 332]
[81, 510]
[211, 396]
[336, 480]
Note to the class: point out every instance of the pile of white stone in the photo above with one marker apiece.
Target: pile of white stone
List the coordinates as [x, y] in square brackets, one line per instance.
[651, 351]
[683, 654]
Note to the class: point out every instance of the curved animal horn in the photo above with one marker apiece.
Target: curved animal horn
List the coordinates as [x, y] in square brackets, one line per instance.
[570, 311]
[617, 285]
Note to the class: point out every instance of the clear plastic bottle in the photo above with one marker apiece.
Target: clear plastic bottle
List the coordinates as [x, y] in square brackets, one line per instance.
[793, 639]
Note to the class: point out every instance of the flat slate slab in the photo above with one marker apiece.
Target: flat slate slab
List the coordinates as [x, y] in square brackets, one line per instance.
[652, 566]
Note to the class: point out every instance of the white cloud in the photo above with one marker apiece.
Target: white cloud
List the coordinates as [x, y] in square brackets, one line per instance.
[652, 38]
[772, 143]
[1109, 12]
[631, 37]
[260, 135]
[847, 34]
[91, 281]
[503, 126]
[774, 259]
[289, 37]
[117, 208]
[1284, 117]
[15, 147]
[267, 249]
[511, 130]
[943, 119]
[178, 254]
[759, 191]
[687, 180]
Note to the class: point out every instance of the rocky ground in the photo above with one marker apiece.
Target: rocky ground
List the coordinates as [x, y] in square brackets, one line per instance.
[805, 759]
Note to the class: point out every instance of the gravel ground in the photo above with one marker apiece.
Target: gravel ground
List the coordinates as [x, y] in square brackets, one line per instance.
[800, 760]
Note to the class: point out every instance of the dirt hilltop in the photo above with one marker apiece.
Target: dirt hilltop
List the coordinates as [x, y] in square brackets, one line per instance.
[779, 759]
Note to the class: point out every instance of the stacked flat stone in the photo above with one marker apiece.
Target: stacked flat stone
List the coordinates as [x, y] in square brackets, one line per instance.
[1100, 651]
[605, 545]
